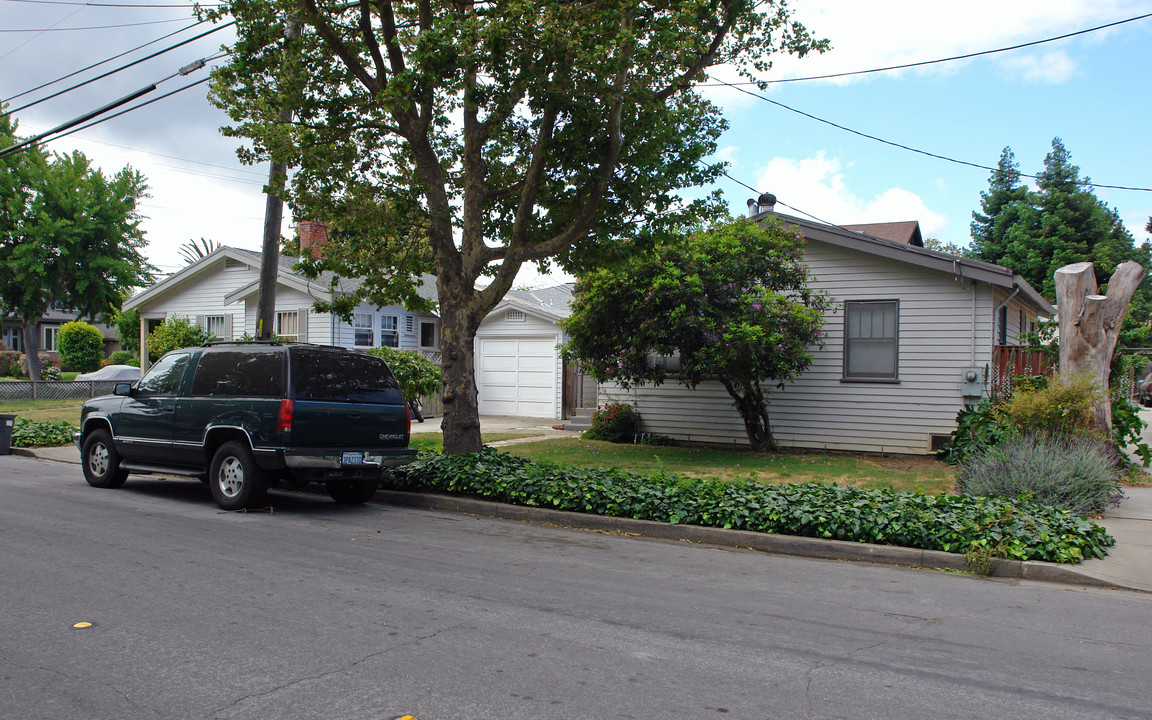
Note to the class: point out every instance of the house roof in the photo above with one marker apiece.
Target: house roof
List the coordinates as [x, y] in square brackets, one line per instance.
[551, 303]
[961, 267]
[318, 288]
[902, 232]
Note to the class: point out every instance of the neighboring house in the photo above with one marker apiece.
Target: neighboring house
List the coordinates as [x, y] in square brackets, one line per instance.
[519, 368]
[48, 328]
[219, 293]
[908, 328]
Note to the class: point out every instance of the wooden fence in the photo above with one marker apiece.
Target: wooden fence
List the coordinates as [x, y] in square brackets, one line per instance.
[1010, 362]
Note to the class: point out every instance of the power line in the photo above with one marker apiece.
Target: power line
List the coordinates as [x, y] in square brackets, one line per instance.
[116, 70]
[93, 27]
[128, 110]
[916, 150]
[97, 64]
[941, 60]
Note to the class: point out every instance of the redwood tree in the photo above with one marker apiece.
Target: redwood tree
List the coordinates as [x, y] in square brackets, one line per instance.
[465, 139]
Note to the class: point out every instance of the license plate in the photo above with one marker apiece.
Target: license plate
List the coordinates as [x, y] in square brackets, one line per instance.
[352, 458]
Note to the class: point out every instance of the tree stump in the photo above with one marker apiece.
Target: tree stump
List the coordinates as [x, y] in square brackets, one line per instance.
[1090, 323]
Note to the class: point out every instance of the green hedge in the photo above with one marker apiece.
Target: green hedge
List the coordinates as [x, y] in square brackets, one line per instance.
[1015, 529]
[30, 433]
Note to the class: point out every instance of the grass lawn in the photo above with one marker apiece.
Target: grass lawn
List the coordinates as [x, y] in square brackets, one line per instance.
[44, 410]
[434, 442]
[921, 474]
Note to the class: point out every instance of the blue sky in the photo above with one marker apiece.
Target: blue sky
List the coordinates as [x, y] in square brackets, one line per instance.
[1091, 90]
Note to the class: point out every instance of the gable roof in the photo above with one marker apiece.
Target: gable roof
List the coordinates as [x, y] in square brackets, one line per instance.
[318, 288]
[902, 232]
[551, 303]
[961, 267]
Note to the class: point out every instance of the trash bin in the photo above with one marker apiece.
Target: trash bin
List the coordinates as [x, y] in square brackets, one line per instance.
[6, 422]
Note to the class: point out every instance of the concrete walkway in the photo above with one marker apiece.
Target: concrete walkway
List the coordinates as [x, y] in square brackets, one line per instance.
[1128, 565]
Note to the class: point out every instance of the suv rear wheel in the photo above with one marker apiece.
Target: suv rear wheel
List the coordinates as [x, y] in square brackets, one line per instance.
[235, 479]
[101, 461]
[352, 493]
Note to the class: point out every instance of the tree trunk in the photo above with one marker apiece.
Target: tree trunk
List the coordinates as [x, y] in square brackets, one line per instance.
[749, 402]
[461, 424]
[1090, 323]
[32, 352]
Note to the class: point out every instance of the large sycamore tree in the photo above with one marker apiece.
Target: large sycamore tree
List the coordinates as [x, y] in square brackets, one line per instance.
[730, 304]
[465, 139]
[68, 234]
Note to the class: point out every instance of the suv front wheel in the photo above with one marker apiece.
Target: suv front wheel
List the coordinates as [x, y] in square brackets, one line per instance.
[101, 461]
[235, 479]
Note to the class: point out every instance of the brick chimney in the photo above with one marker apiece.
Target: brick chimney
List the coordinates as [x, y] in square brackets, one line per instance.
[313, 235]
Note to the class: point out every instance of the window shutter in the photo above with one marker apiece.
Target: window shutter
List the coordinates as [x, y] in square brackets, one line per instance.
[227, 327]
[302, 324]
[198, 321]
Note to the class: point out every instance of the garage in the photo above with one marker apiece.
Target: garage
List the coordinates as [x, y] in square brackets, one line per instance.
[517, 376]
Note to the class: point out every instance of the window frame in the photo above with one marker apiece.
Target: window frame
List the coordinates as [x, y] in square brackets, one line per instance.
[209, 321]
[363, 322]
[392, 332]
[859, 377]
[281, 316]
[435, 334]
[52, 345]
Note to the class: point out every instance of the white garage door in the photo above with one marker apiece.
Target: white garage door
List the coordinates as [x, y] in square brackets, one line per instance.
[517, 376]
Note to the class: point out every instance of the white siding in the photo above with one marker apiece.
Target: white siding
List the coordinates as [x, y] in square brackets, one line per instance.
[205, 296]
[941, 320]
[532, 332]
[409, 339]
[314, 327]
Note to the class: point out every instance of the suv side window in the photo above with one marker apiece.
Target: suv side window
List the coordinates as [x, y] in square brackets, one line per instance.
[164, 377]
[231, 373]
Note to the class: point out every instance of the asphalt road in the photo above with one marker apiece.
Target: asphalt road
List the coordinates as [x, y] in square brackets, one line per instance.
[320, 611]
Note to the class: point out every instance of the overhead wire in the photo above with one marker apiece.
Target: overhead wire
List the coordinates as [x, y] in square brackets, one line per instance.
[98, 64]
[111, 5]
[912, 149]
[953, 58]
[91, 27]
[119, 69]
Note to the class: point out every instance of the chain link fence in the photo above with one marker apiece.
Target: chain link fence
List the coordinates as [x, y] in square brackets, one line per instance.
[52, 390]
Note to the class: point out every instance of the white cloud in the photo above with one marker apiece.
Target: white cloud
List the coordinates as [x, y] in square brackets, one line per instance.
[1053, 67]
[818, 185]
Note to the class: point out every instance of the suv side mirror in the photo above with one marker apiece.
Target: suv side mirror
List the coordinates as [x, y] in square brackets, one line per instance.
[122, 388]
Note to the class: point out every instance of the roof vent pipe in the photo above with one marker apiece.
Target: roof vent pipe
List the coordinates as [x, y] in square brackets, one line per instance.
[766, 202]
[753, 208]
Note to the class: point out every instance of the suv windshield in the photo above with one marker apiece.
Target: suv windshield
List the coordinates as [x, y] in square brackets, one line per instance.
[343, 377]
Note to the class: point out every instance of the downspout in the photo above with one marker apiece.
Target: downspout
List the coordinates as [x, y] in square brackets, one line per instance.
[996, 312]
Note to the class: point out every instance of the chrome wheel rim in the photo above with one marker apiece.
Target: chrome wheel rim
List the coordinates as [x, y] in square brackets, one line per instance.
[230, 479]
[98, 459]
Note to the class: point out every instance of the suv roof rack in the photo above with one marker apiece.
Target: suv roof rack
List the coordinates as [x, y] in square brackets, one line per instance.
[214, 343]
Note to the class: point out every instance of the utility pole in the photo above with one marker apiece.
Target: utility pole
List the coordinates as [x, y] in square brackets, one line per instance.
[273, 217]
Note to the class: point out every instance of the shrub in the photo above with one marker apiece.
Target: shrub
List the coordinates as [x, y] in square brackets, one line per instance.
[50, 372]
[123, 357]
[47, 364]
[1075, 473]
[28, 433]
[1066, 404]
[613, 422]
[1014, 528]
[9, 359]
[81, 346]
[174, 333]
[418, 376]
[1128, 429]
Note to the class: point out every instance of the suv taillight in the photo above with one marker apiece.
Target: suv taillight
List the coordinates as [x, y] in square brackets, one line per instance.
[408, 430]
[284, 420]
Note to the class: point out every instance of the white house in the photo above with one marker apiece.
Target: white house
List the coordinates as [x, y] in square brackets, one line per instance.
[519, 369]
[219, 293]
[908, 343]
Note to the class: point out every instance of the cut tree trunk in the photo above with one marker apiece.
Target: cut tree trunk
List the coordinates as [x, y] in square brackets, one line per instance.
[1090, 323]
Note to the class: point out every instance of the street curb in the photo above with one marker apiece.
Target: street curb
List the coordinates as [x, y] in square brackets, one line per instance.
[765, 542]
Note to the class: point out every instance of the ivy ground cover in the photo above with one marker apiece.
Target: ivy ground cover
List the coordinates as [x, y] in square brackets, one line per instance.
[1013, 529]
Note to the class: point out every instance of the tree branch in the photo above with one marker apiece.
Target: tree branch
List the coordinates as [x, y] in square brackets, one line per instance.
[329, 35]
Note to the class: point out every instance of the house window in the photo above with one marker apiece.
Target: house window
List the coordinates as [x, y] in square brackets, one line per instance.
[362, 329]
[50, 338]
[214, 326]
[427, 335]
[871, 339]
[13, 338]
[286, 325]
[389, 331]
[515, 316]
[1002, 327]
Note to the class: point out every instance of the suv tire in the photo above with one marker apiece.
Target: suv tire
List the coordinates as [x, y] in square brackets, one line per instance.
[101, 462]
[352, 493]
[236, 481]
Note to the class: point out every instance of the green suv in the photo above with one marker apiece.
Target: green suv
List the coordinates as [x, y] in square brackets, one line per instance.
[244, 415]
